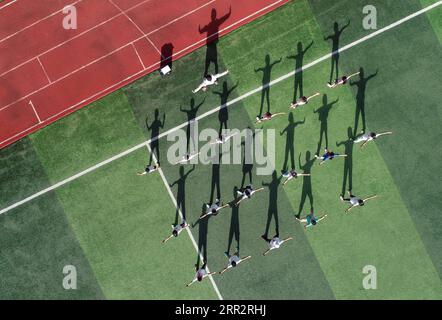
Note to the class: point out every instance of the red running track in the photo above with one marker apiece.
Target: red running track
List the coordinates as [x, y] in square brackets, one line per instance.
[47, 72]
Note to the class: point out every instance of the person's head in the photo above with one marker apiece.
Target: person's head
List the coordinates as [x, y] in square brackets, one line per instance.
[233, 264]
[291, 120]
[304, 98]
[360, 202]
[213, 14]
[344, 78]
[314, 222]
[299, 46]
[199, 276]
[208, 77]
[213, 210]
[175, 233]
[373, 135]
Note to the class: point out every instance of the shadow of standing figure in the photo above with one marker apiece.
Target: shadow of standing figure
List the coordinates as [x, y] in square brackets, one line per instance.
[181, 193]
[215, 184]
[299, 61]
[361, 84]
[266, 76]
[273, 202]
[166, 55]
[223, 115]
[306, 182]
[234, 223]
[335, 37]
[191, 115]
[323, 113]
[348, 162]
[155, 128]
[290, 141]
[247, 163]
[212, 30]
[203, 229]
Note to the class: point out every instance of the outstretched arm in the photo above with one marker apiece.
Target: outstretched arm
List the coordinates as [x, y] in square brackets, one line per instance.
[369, 198]
[308, 47]
[344, 27]
[224, 270]
[383, 133]
[202, 102]
[233, 88]
[276, 62]
[164, 121]
[167, 239]
[266, 252]
[225, 17]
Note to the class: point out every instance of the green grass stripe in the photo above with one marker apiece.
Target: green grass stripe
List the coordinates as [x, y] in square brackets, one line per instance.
[340, 255]
[120, 219]
[435, 17]
[93, 134]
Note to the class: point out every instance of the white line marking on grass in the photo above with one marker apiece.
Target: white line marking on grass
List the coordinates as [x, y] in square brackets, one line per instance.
[229, 103]
[172, 197]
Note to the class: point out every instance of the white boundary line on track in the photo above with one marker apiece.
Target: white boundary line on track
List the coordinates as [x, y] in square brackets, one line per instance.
[36, 22]
[172, 197]
[73, 38]
[136, 26]
[105, 56]
[8, 4]
[229, 103]
[44, 70]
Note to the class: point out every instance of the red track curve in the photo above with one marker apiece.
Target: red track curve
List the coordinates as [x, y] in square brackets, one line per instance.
[47, 72]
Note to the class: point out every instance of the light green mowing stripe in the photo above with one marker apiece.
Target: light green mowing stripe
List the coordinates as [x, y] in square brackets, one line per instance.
[435, 18]
[380, 234]
[118, 218]
[93, 134]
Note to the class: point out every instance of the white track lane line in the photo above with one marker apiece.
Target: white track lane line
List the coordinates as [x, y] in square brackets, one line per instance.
[8, 4]
[36, 22]
[172, 197]
[288, 75]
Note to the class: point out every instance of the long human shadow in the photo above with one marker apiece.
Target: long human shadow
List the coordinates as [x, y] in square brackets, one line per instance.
[155, 128]
[361, 85]
[223, 114]
[323, 113]
[212, 36]
[166, 55]
[272, 212]
[306, 182]
[203, 229]
[335, 37]
[234, 223]
[348, 162]
[299, 62]
[290, 141]
[247, 161]
[191, 115]
[181, 192]
[215, 184]
[266, 76]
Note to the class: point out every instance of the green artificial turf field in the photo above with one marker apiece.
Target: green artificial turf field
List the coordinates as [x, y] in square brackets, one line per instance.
[109, 223]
